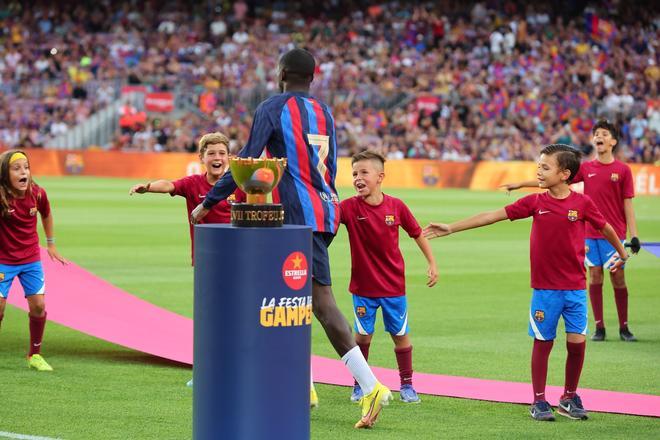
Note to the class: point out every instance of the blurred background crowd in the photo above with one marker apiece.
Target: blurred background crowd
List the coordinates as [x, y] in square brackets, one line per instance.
[448, 80]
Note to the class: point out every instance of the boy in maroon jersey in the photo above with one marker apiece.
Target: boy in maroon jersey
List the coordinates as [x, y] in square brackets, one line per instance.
[372, 220]
[557, 269]
[20, 201]
[609, 183]
[214, 155]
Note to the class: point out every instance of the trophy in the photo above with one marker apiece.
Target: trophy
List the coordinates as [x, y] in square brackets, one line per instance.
[257, 178]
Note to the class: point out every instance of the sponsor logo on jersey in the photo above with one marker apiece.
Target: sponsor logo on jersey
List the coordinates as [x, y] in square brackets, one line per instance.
[572, 215]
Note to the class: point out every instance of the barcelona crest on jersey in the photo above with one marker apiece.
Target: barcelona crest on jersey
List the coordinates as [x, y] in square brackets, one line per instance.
[572, 215]
[614, 177]
[33, 211]
[361, 311]
[389, 220]
[2, 276]
[539, 316]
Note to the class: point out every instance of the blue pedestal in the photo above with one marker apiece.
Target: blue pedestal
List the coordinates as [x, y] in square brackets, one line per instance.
[252, 332]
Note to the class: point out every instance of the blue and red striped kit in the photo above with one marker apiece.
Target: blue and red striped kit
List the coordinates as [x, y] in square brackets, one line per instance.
[297, 127]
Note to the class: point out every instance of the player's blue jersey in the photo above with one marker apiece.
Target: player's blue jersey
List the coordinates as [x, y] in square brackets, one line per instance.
[297, 127]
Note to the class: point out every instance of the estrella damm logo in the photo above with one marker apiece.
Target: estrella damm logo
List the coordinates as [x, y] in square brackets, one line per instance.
[294, 270]
[572, 215]
[286, 311]
[539, 316]
[361, 311]
[614, 177]
[389, 220]
[33, 211]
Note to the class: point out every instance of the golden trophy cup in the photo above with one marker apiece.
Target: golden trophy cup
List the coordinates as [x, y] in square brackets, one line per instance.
[257, 178]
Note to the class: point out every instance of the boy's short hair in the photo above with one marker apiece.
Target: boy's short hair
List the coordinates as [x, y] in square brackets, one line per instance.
[369, 155]
[212, 138]
[568, 158]
[606, 125]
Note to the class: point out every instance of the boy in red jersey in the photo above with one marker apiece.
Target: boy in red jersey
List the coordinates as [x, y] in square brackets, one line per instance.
[372, 220]
[20, 200]
[214, 155]
[557, 269]
[609, 183]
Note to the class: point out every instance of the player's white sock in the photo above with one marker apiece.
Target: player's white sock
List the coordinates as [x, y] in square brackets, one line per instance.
[357, 364]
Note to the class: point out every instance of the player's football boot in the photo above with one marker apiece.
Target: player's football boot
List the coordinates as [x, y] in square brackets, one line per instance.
[599, 335]
[372, 404]
[541, 410]
[408, 394]
[572, 408]
[190, 383]
[357, 393]
[313, 397]
[37, 362]
[625, 335]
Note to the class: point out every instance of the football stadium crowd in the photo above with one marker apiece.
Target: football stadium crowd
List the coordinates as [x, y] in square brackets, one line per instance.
[462, 81]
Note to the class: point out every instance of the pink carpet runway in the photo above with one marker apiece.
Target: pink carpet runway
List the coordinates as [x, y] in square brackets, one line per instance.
[80, 300]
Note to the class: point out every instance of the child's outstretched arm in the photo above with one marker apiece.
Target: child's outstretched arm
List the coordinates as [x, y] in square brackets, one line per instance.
[434, 230]
[526, 184]
[629, 212]
[157, 186]
[609, 233]
[47, 223]
[432, 271]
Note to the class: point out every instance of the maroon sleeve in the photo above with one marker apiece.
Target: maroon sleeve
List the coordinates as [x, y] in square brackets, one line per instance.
[182, 186]
[408, 221]
[628, 184]
[343, 207]
[43, 205]
[578, 176]
[521, 208]
[593, 215]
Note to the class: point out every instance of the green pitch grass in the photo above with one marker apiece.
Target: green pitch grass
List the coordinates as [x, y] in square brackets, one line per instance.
[474, 323]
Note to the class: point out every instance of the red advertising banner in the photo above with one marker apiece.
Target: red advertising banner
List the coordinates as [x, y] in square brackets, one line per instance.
[428, 103]
[133, 89]
[162, 102]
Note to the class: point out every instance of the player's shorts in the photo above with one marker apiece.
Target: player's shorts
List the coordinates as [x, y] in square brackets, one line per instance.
[320, 258]
[598, 252]
[548, 305]
[395, 314]
[31, 276]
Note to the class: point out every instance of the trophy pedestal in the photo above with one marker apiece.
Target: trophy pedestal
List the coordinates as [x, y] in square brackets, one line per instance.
[252, 323]
[263, 215]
